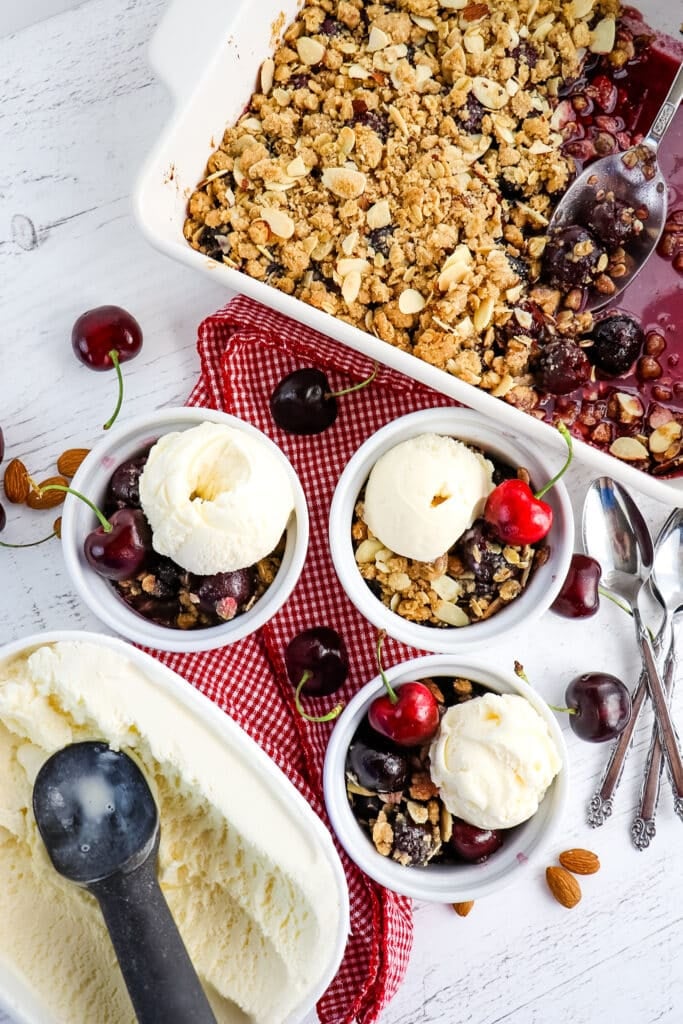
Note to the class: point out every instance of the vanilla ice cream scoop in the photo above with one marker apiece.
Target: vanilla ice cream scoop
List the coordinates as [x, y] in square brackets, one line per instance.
[493, 759]
[424, 493]
[217, 499]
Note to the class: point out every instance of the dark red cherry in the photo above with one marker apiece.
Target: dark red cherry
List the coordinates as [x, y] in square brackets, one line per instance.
[3, 518]
[302, 403]
[474, 844]
[614, 222]
[382, 771]
[563, 266]
[578, 597]
[124, 486]
[561, 366]
[321, 653]
[2, 445]
[224, 593]
[601, 706]
[120, 553]
[617, 341]
[100, 330]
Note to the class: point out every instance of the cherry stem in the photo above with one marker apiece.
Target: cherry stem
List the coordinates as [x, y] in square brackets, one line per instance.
[564, 711]
[570, 454]
[31, 544]
[392, 693]
[114, 356]
[104, 522]
[313, 718]
[355, 387]
[624, 607]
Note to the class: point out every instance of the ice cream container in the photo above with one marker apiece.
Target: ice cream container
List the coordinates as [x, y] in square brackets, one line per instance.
[493, 440]
[216, 754]
[441, 883]
[99, 595]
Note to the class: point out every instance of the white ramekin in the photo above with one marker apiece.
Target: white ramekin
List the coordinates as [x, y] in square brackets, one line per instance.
[441, 883]
[99, 595]
[473, 428]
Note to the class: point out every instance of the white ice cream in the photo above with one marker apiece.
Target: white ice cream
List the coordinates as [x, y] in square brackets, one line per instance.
[424, 493]
[217, 499]
[254, 898]
[493, 760]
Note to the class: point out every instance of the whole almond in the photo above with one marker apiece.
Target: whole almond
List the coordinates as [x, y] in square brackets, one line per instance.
[16, 482]
[39, 499]
[69, 461]
[580, 862]
[463, 909]
[57, 527]
[563, 886]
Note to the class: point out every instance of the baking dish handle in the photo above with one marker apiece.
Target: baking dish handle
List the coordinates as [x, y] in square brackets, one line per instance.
[185, 35]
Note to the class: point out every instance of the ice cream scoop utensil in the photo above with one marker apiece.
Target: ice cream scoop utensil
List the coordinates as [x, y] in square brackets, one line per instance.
[99, 822]
[635, 178]
[667, 583]
[615, 533]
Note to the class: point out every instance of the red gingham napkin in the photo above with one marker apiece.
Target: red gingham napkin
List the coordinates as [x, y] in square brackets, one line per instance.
[245, 349]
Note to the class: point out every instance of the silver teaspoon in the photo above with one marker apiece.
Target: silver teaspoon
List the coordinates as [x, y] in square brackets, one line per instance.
[615, 533]
[667, 582]
[635, 178]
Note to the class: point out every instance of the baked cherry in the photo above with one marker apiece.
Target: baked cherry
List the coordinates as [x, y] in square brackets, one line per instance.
[103, 338]
[579, 596]
[571, 257]
[124, 486]
[561, 366]
[409, 717]
[516, 514]
[480, 552]
[474, 844]
[614, 222]
[617, 341]
[224, 593]
[120, 551]
[317, 664]
[302, 402]
[599, 706]
[382, 771]
[2, 445]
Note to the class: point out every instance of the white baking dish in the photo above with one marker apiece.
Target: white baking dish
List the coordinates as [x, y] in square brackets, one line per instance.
[21, 1002]
[209, 52]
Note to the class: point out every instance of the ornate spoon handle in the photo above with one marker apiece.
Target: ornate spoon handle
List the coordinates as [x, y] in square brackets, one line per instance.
[600, 806]
[643, 827]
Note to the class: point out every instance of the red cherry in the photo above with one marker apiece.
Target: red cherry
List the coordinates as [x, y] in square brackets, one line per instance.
[2, 445]
[409, 717]
[121, 551]
[579, 597]
[99, 331]
[517, 515]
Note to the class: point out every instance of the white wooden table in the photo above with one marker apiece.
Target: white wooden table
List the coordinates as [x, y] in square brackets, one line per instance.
[79, 110]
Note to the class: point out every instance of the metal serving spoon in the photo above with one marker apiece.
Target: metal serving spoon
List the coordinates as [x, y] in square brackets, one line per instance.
[635, 178]
[100, 824]
[667, 583]
[615, 533]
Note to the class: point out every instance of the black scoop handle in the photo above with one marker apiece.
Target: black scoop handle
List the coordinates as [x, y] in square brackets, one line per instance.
[161, 981]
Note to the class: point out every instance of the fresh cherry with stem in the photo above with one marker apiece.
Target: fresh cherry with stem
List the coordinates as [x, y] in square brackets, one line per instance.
[409, 717]
[599, 706]
[579, 596]
[103, 338]
[302, 402]
[517, 515]
[317, 664]
[119, 547]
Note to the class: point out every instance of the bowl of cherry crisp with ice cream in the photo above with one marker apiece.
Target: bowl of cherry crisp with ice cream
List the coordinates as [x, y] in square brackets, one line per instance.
[193, 531]
[448, 533]
[444, 777]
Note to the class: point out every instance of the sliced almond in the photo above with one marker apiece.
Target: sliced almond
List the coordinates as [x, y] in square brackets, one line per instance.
[346, 140]
[399, 120]
[447, 588]
[348, 266]
[455, 5]
[482, 315]
[630, 407]
[279, 222]
[423, 73]
[377, 40]
[490, 94]
[538, 147]
[310, 50]
[351, 286]
[344, 182]
[411, 301]
[473, 42]
[367, 549]
[379, 214]
[663, 437]
[358, 71]
[603, 36]
[451, 614]
[629, 449]
[428, 24]
[296, 168]
[349, 243]
[267, 73]
[580, 8]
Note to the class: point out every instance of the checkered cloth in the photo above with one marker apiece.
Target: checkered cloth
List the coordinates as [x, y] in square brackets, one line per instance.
[245, 349]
